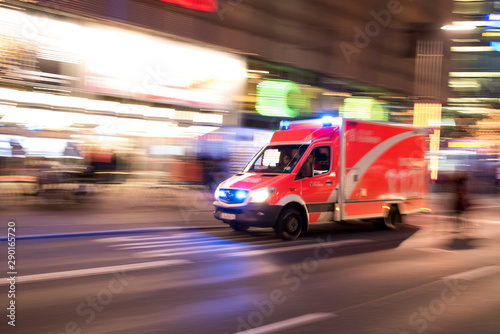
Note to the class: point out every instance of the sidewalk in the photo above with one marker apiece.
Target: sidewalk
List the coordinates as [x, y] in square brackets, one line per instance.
[115, 209]
[440, 203]
[121, 209]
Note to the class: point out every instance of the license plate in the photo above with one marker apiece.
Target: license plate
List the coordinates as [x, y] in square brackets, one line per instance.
[228, 216]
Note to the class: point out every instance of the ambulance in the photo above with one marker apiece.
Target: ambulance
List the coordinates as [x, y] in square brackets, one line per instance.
[329, 170]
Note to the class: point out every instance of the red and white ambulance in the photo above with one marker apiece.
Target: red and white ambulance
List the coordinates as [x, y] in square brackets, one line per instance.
[329, 170]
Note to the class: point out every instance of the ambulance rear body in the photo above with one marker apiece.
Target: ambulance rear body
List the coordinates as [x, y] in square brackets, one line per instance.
[325, 171]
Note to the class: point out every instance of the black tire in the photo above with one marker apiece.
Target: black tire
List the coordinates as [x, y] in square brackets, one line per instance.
[289, 224]
[393, 221]
[238, 226]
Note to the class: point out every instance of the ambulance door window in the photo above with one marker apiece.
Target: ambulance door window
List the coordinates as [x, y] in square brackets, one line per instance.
[308, 167]
[317, 163]
[322, 160]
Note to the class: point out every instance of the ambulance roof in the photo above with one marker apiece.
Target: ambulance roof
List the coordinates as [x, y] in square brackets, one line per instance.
[323, 128]
[307, 130]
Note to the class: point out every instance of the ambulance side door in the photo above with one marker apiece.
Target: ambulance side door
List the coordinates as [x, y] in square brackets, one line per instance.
[318, 182]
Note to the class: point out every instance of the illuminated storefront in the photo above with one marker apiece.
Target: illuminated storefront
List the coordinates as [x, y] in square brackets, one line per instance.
[110, 88]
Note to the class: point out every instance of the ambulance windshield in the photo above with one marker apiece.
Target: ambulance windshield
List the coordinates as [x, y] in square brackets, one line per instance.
[277, 159]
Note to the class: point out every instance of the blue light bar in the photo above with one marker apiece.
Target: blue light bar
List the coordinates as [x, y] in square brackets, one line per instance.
[285, 125]
[327, 120]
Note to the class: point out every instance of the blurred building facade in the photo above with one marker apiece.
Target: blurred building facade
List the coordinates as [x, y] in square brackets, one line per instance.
[474, 78]
[366, 45]
[183, 79]
[372, 42]
[472, 140]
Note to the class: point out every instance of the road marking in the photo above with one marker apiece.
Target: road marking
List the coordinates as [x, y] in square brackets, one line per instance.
[93, 271]
[475, 273]
[299, 247]
[201, 249]
[188, 245]
[190, 240]
[141, 238]
[165, 253]
[163, 242]
[435, 250]
[180, 238]
[290, 323]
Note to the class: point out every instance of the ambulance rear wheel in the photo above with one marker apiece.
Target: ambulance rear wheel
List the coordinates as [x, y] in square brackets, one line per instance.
[238, 227]
[393, 221]
[289, 224]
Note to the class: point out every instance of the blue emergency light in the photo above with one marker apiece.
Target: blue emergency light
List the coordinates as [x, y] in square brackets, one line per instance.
[241, 194]
[327, 121]
[285, 125]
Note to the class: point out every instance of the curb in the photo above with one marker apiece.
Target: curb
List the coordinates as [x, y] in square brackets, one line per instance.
[111, 232]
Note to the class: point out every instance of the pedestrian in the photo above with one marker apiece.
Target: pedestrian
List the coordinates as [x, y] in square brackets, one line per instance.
[460, 200]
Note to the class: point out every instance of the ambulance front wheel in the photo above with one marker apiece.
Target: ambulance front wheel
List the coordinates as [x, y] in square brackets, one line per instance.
[289, 224]
[238, 227]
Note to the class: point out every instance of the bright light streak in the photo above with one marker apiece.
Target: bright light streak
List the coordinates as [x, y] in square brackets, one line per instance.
[424, 114]
[456, 152]
[75, 103]
[207, 118]
[463, 84]
[493, 17]
[471, 23]
[257, 71]
[475, 74]
[472, 49]
[470, 110]
[157, 112]
[475, 144]
[458, 27]
[465, 40]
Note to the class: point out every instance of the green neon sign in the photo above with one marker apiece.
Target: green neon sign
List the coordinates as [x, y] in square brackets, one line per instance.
[365, 108]
[279, 98]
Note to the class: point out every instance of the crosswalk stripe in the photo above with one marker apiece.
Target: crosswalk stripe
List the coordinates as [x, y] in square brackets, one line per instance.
[139, 237]
[188, 244]
[190, 241]
[94, 271]
[168, 253]
[332, 244]
[199, 248]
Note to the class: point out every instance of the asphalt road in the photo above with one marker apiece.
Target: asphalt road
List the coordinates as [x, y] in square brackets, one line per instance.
[424, 278]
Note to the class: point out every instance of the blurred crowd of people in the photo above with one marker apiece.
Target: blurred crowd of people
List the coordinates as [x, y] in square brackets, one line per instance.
[81, 170]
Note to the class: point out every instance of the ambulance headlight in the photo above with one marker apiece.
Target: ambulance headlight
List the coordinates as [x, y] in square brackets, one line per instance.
[216, 194]
[261, 195]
